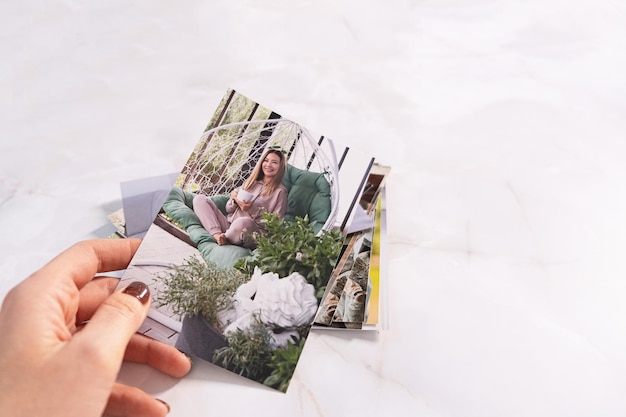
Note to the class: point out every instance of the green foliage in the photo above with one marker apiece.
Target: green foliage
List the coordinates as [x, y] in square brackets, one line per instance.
[293, 246]
[250, 353]
[198, 288]
[283, 364]
[247, 353]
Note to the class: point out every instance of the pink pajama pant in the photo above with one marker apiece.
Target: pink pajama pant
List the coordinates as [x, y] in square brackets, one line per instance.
[239, 232]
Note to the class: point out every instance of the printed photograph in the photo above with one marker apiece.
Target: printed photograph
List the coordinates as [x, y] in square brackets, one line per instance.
[352, 297]
[241, 251]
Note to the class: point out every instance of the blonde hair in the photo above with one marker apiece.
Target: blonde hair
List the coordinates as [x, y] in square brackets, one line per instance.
[258, 175]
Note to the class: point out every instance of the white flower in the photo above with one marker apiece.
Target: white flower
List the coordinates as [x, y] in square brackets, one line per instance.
[285, 303]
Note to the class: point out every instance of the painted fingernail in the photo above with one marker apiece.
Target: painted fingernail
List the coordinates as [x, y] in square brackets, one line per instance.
[186, 355]
[139, 290]
[165, 404]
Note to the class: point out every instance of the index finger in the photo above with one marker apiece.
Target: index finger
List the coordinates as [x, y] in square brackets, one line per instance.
[84, 259]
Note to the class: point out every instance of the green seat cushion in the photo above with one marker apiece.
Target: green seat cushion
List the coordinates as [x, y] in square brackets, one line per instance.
[179, 206]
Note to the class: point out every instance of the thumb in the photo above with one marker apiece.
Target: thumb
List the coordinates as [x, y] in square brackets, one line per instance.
[112, 325]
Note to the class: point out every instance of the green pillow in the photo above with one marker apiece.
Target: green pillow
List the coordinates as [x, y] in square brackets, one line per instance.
[309, 194]
[179, 206]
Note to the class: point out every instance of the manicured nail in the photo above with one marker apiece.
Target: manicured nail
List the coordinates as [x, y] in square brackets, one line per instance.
[139, 290]
[186, 355]
[165, 404]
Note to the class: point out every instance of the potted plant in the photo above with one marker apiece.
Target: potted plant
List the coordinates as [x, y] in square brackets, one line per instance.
[293, 246]
[247, 352]
[290, 247]
[250, 353]
[283, 363]
[253, 319]
[199, 292]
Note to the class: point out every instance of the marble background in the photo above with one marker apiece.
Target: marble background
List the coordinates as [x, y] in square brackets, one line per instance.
[503, 122]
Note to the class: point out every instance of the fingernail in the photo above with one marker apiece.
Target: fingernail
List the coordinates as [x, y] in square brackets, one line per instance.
[139, 290]
[164, 403]
[186, 355]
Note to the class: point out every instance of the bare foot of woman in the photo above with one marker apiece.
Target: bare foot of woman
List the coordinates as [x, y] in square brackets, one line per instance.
[220, 238]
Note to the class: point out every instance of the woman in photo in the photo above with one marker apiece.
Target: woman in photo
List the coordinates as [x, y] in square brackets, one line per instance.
[262, 192]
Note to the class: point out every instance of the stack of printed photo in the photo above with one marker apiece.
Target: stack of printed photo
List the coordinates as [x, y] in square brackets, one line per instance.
[269, 231]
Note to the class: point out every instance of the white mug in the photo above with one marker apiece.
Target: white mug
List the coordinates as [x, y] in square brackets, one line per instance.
[244, 196]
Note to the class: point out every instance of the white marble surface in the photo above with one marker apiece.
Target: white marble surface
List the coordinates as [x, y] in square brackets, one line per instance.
[503, 122]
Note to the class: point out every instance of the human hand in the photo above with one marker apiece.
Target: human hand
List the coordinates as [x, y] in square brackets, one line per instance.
[243, 204]
[234, 193]
[64, 337]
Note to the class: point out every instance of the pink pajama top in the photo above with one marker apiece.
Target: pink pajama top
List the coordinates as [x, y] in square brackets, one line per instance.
[273, 203]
